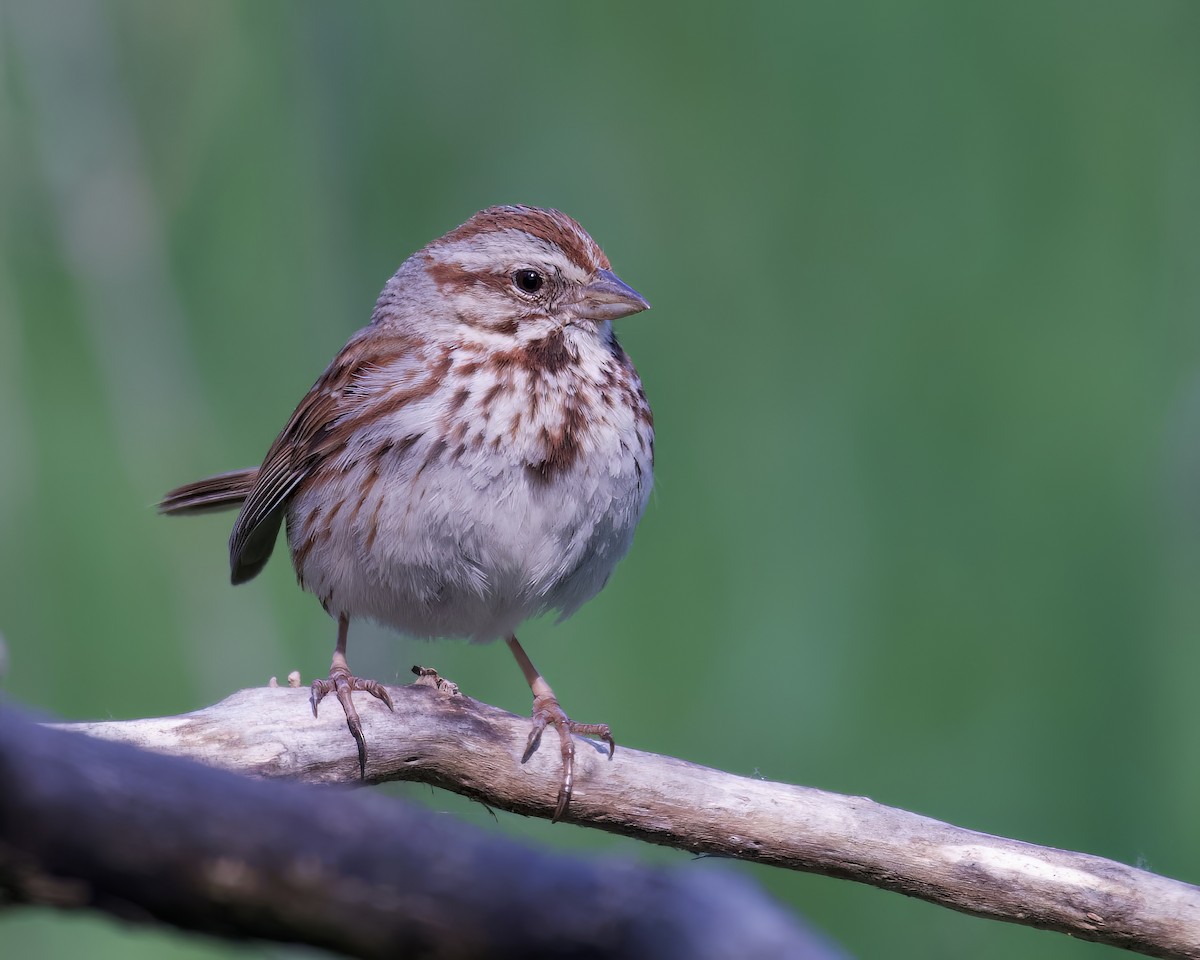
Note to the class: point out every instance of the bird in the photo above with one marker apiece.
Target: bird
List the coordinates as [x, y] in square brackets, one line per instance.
[479, 454]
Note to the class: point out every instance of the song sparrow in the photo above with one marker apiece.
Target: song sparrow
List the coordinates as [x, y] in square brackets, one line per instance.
[478, 455]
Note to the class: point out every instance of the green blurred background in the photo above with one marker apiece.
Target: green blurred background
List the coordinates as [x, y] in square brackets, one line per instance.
[924, 359]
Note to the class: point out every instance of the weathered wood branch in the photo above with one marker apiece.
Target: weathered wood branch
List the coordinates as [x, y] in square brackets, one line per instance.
[471, 748]
[90, 824]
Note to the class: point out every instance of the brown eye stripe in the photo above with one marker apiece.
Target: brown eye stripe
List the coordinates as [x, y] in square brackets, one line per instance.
[453, 276]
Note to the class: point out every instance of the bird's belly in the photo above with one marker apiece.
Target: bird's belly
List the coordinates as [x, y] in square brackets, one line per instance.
[466, 546]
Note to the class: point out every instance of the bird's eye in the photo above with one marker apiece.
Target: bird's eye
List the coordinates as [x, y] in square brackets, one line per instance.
[529, 281]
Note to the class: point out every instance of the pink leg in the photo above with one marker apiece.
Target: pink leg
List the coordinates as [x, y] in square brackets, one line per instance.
[546, 711]
[343, 683]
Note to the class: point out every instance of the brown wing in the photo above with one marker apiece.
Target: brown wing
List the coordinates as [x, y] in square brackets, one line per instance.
[307, 440]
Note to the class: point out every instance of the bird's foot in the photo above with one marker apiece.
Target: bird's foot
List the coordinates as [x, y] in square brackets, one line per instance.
[428, 677]
[547, 711]
[342, 684]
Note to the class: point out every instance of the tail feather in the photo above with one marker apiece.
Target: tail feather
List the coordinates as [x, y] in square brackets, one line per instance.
[225, 491]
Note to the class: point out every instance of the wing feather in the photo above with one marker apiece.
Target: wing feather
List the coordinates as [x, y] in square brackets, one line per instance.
[318, 428]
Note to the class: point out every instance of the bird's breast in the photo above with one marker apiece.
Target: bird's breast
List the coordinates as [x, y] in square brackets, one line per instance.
[514, 491]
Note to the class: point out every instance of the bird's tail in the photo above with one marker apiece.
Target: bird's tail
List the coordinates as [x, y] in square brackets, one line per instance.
[226, 491]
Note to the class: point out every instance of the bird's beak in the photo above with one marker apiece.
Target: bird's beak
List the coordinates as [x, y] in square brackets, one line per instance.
[608, 297]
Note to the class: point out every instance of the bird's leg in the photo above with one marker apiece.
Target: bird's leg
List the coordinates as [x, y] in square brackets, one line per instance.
[545, 711]
[343, 683]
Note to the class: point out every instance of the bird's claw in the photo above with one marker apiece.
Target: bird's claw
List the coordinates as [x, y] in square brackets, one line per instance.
[342, 685]
[546, 711]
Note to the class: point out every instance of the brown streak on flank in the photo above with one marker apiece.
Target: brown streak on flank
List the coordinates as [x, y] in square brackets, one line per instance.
[575, 419]
[562, 449]
[460, 430]
[313, 534]
[311, 520]
[537, 473]
[468, 368]
[300, 554]
[516, 425]
[407, 444]
[458, 452]
[646, 414]
[550, 226]
[459, 398]
[337, 507]
[367, 487]
[631, 400]
[489, 398]
[435, 452]
[374, 531]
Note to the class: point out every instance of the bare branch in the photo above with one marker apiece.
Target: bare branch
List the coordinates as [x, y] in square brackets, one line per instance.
[85, 823]
[471, 748]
